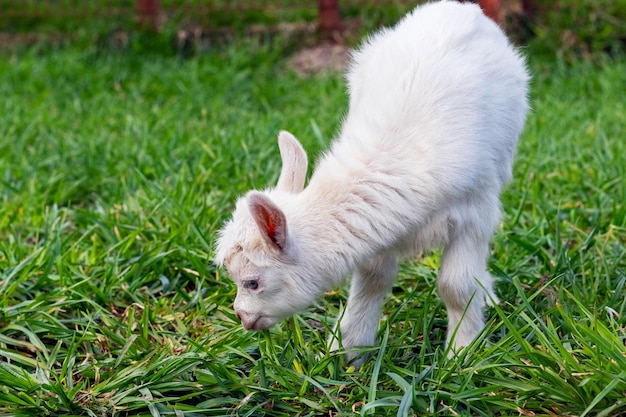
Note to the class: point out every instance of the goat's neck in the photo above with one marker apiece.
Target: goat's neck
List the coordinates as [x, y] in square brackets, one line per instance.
[339, 224]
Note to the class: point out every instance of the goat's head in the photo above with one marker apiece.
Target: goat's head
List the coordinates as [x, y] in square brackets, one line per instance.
[260, 254]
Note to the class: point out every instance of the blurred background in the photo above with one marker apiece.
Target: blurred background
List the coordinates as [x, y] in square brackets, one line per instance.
[572, 28]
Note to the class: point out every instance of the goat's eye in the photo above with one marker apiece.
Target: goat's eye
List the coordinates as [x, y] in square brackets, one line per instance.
[251, 284]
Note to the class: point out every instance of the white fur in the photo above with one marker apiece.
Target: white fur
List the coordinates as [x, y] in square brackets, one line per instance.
[436, 107]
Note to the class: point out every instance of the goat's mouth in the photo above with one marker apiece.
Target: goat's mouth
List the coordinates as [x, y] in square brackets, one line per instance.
[259, 323]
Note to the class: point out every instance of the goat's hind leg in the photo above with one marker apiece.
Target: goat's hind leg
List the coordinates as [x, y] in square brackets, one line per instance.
[464, 283]
[370, 283]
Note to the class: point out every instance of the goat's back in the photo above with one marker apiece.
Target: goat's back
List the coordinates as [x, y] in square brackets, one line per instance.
[441, 97]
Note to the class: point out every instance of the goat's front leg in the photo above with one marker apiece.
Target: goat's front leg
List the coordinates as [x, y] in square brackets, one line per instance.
[370, 283]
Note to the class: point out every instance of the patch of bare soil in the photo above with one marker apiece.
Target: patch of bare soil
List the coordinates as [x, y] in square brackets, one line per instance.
[320, 58]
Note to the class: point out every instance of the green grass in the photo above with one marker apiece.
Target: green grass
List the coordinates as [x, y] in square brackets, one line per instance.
[118, 168]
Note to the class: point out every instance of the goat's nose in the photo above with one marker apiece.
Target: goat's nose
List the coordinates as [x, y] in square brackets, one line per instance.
[238, 315]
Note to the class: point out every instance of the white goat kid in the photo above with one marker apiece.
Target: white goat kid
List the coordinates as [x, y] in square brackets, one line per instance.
[436, 107]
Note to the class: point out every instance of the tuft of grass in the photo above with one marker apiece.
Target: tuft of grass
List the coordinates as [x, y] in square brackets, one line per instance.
[118, 168]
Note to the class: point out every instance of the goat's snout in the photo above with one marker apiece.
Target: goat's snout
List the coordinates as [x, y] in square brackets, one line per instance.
[247, 320]
[251, 321]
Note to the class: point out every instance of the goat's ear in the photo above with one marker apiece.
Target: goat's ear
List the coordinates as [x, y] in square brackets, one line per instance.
[270, 220]
[295, 162]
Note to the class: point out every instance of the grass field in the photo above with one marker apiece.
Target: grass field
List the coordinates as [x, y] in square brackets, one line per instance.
[118, 168]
